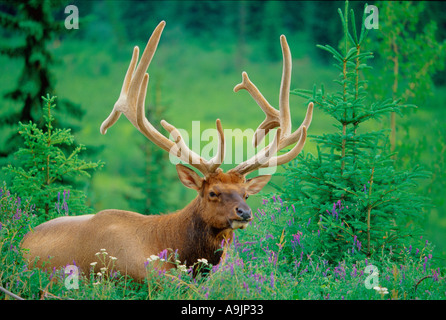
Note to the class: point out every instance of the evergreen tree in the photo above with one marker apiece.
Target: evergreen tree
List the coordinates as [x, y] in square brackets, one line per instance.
[44, 170]
[351, 191]
[34, 22]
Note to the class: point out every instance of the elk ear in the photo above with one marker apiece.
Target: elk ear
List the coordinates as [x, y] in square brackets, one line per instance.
[189, 177]
[256, 184]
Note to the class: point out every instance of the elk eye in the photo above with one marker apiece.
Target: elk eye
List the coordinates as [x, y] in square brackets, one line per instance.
[212, 194]
[247, 196]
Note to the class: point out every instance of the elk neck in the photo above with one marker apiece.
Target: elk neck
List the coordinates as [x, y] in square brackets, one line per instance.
[199, 238]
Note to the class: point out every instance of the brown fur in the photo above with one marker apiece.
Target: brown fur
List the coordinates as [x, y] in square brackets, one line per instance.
[196, 231]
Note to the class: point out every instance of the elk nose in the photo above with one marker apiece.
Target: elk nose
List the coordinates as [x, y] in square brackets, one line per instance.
[244, 213]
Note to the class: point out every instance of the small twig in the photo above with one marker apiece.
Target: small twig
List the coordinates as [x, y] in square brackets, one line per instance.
[9, 293]
[419, 281]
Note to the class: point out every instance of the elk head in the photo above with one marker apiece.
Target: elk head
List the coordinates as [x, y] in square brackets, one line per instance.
[222, 196]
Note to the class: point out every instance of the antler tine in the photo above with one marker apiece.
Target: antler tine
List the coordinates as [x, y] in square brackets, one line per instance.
[131, 103]
[119, 105]
[276, 118]
[272, 115]
[284, 96]
[215, 162]
[132, 82]
[146, 58]
[261, 158]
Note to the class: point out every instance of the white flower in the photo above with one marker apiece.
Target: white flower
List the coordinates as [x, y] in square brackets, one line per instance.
[93, 264]
[103, 269]
[381, 290]
[203, 260]
[113, 258]
[182, 268]
[152, 258]
[101, 252]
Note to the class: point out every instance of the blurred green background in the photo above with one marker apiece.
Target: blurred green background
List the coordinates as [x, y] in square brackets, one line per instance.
[203, 50]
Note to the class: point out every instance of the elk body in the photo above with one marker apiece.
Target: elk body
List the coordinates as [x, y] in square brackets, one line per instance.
[196, 231]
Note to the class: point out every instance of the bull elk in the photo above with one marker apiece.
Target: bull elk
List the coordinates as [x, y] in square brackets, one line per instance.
[195, 231]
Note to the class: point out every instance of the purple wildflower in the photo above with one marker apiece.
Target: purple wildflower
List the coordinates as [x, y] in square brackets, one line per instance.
[435, 274]
[18, 214]
[354, 272]
[256, 215]
[294, 209]
[272, 280]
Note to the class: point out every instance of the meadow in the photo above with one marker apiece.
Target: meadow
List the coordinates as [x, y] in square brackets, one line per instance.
[283, 254]
[274, 259]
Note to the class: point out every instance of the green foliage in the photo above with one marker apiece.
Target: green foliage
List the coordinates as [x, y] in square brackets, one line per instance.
[410, 55]
[44, 169]
[34, 22]
[409, 51]
[351, 189]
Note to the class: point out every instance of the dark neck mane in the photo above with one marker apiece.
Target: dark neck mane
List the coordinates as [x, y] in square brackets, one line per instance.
[200, 239]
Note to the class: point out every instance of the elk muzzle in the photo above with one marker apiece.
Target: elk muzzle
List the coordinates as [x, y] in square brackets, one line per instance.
[244, 216]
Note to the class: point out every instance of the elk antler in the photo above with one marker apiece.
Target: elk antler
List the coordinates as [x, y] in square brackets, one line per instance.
[131, 104]
[275, 118]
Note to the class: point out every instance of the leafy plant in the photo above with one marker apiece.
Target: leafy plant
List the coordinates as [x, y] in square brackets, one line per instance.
[351, 190]
[43, 170]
